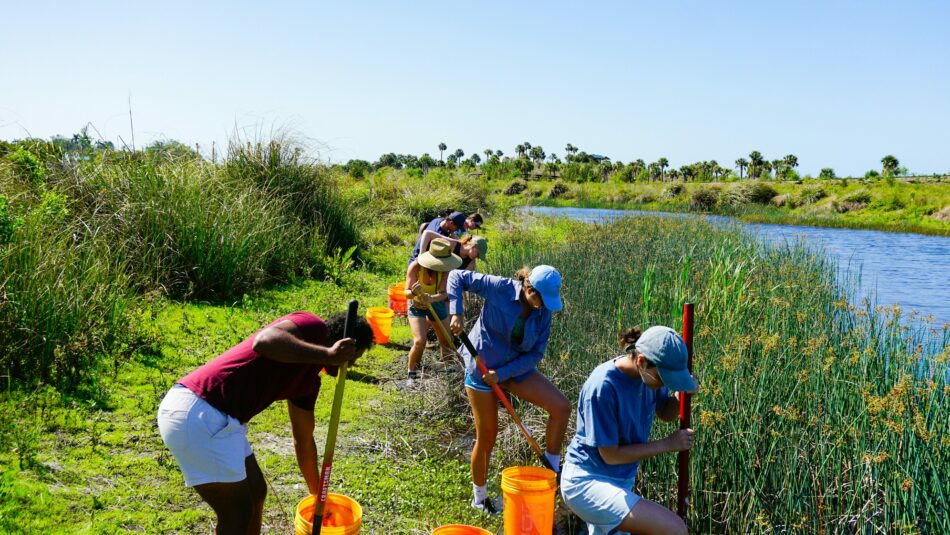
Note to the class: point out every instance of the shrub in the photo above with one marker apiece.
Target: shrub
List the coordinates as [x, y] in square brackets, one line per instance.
[808, 195]
[558, 189]
[858, 196]
[8, 221]
[516, 187]
[27, 166]
[704, 198]
[743, 193]
[672, 191]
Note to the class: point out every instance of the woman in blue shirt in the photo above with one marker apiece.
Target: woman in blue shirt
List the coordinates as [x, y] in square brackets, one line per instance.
[510, 337]
[614, 417]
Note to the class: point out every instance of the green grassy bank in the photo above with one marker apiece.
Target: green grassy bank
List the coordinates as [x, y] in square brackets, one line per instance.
[121, 272]
[881, 204]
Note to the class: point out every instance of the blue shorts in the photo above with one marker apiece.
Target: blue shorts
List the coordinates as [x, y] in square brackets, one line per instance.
[474, 381]
[601, 501]
[440, 307]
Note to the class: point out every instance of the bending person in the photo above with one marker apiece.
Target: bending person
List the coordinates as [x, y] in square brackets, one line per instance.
[426, 285]
[510, 335]
[470, 248]
[203, 418]
[447, 226]
[614, 417]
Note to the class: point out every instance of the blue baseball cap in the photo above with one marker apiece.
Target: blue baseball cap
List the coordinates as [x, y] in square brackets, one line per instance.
[667, 350]
[458, 218]
[547, 281]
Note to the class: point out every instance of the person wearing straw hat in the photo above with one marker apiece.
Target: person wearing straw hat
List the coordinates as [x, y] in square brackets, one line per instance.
[510, 335]
[202, 419]
[615, 413]
[425, 286]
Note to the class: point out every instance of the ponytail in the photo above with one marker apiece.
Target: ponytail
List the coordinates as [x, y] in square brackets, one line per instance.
[628, 339]
[522, 275]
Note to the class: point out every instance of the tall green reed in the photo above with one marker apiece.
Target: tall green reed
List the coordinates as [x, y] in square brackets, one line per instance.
[814, 415]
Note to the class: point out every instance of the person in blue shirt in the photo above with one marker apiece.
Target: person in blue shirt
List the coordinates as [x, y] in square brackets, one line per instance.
[510, 336]
[448, 226]
[614, 416]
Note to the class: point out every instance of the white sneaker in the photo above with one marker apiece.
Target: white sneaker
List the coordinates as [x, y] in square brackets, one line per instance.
[488, 506]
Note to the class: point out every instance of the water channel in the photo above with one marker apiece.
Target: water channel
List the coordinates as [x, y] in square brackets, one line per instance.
[909, 270]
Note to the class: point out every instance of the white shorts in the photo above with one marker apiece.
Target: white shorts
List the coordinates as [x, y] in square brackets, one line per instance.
[600, 501]
[209, 445]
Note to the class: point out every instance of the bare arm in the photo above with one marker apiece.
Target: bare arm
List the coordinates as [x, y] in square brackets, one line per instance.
[670, 410]
[429, 235]
[302, 424]
[681, 439]
[283, 343]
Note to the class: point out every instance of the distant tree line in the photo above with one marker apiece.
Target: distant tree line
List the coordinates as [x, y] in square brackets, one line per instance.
[531, 161]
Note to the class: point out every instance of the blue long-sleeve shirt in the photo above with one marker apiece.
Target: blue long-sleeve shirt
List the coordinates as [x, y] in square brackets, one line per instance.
[491, 335]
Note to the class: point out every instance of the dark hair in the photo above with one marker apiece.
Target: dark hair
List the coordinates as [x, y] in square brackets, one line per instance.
[362, 332]
[522, 275]
[476, 218]
[630, 337]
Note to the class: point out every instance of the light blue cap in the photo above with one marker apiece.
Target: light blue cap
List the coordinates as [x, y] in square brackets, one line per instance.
[547, 281]
[667, 350]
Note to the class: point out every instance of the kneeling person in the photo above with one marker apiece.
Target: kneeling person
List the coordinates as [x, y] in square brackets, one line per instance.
[614, 417]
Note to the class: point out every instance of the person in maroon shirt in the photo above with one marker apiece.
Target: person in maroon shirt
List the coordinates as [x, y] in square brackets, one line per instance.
[203, 417]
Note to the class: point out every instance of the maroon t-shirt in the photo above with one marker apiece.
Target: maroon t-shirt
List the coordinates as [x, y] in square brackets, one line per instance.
[242, 383]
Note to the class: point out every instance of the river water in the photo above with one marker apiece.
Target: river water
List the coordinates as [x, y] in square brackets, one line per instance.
[909, 270]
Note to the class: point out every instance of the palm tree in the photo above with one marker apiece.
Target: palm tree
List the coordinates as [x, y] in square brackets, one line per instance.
[741, 163]
[686, 172]
[499, 153]
[458, 154]
[475, 158]
[569, 148]
[777, 167]
[487, 153]
[663, 163]
[714, 165]
[755, 163]
[519, 150]
[442, 147]
[791, 161]
[537, 154]
[890, 164]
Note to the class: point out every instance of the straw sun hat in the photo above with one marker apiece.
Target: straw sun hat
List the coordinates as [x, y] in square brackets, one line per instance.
[439, 257]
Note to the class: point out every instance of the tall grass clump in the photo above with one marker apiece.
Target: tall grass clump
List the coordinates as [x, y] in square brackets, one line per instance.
[814, 415]
[313, 193]
[64, 299]
[194, 232]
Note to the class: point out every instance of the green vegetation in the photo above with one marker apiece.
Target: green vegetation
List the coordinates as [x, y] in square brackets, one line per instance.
[121, 271]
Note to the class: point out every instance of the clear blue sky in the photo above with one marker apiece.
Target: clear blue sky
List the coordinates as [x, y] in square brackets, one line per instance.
[839, 84]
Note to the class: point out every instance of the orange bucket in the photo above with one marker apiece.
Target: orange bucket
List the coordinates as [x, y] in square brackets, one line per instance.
[397, 299]
[529, 500]
[381, 320]
[341, 516]
[459, 529]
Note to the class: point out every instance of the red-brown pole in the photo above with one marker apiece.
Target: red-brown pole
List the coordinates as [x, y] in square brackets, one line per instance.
[682, 498]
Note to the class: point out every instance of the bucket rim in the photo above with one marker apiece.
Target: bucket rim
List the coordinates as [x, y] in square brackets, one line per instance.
[543, 479]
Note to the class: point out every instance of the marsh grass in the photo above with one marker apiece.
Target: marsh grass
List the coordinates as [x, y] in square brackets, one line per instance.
[82, 247]
[814, 416]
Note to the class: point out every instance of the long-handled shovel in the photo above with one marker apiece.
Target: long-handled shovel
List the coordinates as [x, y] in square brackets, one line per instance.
[495, 388]
[682, 498]
[318, 509]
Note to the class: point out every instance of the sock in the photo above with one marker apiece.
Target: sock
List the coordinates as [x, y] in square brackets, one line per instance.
[480, 491]
[554, 459]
